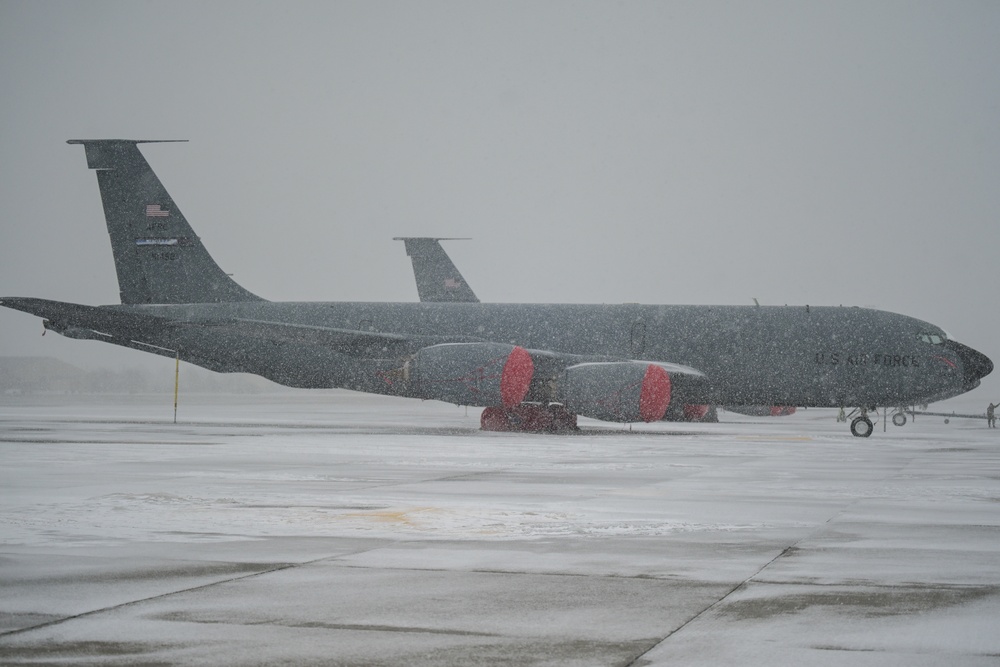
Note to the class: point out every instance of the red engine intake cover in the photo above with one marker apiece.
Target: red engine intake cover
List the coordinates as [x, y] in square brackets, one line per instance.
[616, 391]
[516, 377]
[655, 395]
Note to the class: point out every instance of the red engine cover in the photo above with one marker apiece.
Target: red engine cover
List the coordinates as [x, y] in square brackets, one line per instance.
[516, 377]
[618, 391]
[482, 374]
[655, 395]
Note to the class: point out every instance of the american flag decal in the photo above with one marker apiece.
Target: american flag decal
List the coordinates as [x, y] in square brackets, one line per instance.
[451, 283]
[154, 211]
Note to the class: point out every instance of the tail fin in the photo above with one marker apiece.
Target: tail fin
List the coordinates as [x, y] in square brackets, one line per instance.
[158, 257]
[437, 278]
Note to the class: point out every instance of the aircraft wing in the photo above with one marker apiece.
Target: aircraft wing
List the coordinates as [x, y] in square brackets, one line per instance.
[352, 342]
[459, 369]
[144, 331]
[165, 335]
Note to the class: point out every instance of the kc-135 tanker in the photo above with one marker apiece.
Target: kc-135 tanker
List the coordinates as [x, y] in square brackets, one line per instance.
[531, 366]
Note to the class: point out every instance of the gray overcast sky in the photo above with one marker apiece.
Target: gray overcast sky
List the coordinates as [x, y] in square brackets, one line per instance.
[665, 152]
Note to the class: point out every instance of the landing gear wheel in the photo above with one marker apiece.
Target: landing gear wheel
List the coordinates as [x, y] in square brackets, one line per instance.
[495, 419]
[899, 419]
[862, 427]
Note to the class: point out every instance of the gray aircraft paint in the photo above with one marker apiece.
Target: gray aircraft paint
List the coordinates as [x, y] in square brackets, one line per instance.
[819, 356]
[149, 233]
[431, 264]
[778, 355]
[437, 277]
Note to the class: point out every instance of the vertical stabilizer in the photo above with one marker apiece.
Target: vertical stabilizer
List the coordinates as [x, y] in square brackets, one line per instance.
[158, 257]
[437, 277]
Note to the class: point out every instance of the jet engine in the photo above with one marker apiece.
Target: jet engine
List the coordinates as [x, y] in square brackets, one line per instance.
[478, 374]
[620, 391]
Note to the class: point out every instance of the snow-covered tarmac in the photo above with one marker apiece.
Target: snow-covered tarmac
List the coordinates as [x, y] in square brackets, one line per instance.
[335, 528]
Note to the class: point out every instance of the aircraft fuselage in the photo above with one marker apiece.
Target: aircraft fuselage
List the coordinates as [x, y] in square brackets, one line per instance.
[786, 355]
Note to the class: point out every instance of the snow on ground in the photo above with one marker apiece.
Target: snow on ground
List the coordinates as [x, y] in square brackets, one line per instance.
[338, 528]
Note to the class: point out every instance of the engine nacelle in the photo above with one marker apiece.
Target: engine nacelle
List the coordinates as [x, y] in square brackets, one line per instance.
[619, 391]
[478, 374]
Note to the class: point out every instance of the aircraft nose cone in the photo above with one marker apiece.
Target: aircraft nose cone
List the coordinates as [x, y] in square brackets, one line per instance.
[975, 364]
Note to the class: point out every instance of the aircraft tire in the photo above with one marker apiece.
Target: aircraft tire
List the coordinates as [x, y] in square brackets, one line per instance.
[495, 419]
[862, 427]
[899, 419]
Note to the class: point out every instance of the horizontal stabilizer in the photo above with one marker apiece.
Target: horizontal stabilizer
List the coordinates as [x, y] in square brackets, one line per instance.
[102, 319]
[113, 153]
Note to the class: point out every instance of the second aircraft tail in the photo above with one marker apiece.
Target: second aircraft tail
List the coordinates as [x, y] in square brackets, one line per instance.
[438, 279]
[158, 257]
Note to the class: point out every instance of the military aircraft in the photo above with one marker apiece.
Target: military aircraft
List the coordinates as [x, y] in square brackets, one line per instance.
[531, 366]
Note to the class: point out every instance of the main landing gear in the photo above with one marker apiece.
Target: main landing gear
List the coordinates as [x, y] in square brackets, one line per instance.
[862, 427]
[529, 418]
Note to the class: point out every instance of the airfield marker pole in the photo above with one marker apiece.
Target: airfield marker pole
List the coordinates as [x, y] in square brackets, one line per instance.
[177, 380]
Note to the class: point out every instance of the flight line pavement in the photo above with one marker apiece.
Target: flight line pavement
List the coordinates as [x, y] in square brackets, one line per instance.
[336, 528]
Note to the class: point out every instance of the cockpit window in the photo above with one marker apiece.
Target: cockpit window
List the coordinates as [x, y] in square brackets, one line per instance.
[932, 338]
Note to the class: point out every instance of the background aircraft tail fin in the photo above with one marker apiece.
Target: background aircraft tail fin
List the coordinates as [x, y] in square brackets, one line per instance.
[158, 257]
[437, 277]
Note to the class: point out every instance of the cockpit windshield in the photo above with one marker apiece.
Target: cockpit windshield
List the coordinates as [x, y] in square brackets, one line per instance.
[932, 338]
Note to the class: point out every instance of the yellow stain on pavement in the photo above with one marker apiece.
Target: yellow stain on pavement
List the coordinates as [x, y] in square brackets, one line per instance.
[404, 516]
